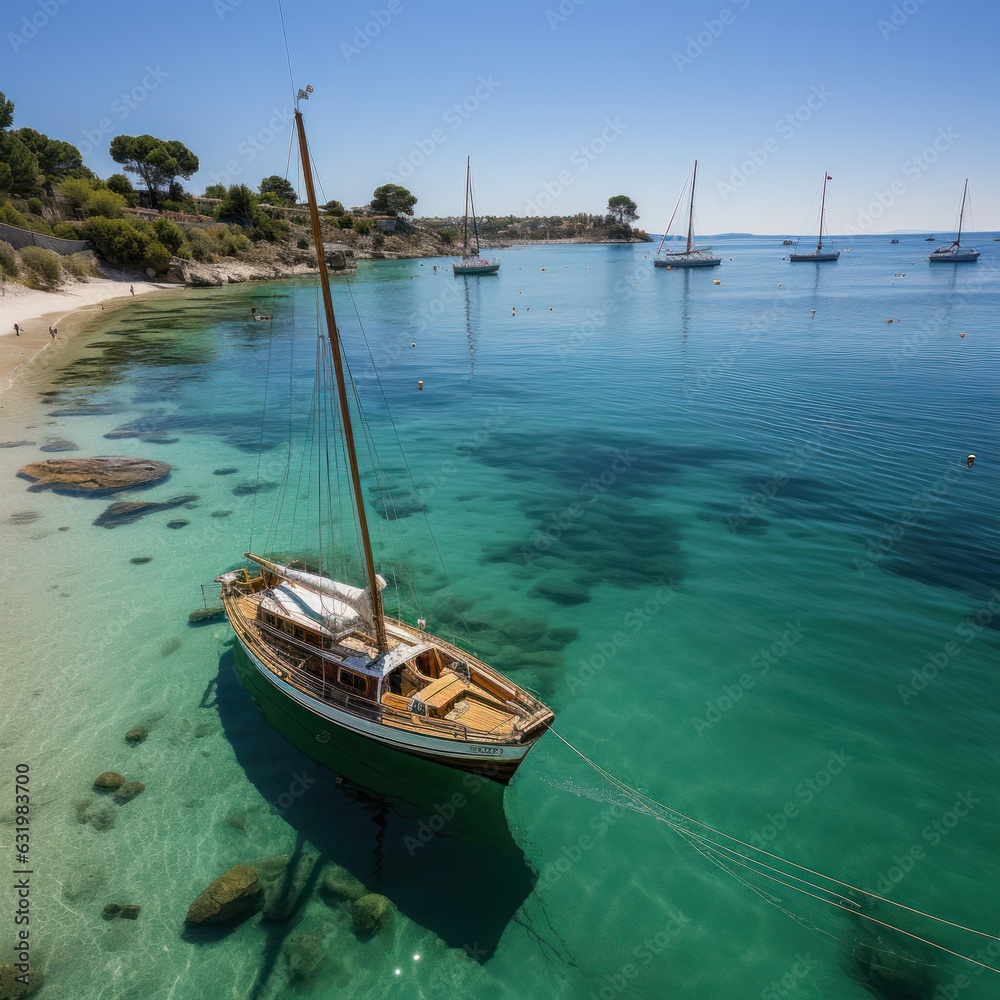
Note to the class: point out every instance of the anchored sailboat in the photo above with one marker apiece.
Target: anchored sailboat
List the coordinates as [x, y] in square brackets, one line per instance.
[819, 254]
[954, 254]
[690, 256]
[472, 262]
[330, 670]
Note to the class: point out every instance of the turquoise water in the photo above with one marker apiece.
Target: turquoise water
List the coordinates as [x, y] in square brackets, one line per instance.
[719, 527]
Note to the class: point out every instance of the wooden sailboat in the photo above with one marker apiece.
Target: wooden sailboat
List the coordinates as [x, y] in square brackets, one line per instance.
[330, 670]
[819, 254]
[472, 262]
[955, 254]
[691, 255]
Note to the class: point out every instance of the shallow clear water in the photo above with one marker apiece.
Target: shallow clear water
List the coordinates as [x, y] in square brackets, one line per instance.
[717, 526]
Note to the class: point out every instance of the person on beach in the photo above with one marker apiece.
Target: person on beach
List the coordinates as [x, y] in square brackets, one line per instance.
[131, 288]
[17, 330]
[53, 332]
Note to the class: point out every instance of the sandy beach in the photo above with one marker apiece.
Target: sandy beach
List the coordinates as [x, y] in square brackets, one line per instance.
[35, 311]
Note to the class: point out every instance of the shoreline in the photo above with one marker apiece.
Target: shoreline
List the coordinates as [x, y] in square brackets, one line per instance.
[35, 311]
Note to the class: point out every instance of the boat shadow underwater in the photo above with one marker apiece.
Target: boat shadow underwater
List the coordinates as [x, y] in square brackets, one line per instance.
[433, 840]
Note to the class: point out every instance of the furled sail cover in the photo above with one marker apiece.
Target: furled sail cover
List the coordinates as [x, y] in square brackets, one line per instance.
[355, 597]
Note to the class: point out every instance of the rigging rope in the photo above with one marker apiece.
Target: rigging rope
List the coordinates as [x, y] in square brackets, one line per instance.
[722, 854]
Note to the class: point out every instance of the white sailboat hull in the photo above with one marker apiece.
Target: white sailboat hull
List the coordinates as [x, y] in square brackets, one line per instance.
[816, 255]
[687, 261]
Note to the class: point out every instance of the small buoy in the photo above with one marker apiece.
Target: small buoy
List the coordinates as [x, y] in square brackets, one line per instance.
[543, 268]
[779, 284]
[420, 384]
[550, 310]
[961, 334]
[528, 309]
[970, 461]
[519, 292]
[812, 311]
[888, 320]
[413, 345]
[899, 275]
[718, 281]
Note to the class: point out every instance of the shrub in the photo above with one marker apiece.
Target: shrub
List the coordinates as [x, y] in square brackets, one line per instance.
[120, 184]
[362, 226]
[199, 246]
[302, 243]
[345, 221]
[10, 263]
[106, 203]
[11, 216]
[46, 271]
[80, 266]
[169, 234]
[126, 244]
[76, 192]
[35, 206]
[65, 231]
[233, 242]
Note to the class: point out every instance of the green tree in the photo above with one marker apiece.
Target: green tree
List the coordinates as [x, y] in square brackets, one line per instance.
[106, 203]
[120, 184]
[25, 178]
[334, 209]
[392, 199]
[242, 206]
[157, 161]
[215, 191]
[56, 159]
[6, 112]
[76, 193]
[275, 190]
[622, 209]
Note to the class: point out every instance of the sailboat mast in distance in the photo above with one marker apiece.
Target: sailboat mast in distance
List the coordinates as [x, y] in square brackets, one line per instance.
[818, 255]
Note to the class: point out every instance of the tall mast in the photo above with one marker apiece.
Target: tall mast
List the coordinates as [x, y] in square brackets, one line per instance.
[465, 231]
[822, 209]
[345, 412]
[961, 212]
[694, 177]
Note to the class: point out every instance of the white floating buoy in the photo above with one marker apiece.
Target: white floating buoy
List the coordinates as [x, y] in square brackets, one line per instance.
[718, 281]
[970, 461]
[420, 384]
[413, 345]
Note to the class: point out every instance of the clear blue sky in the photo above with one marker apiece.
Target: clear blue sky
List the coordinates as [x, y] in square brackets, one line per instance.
[575, 100]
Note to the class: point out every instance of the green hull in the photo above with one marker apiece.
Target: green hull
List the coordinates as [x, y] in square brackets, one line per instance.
[457, 803]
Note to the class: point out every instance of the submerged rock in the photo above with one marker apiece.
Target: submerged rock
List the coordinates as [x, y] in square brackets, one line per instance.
[339, 884]
[128, 511]
[24, 517]
[233, 894]
[13, 988]
[179, 523]
[560, 591]
[249, 489]
[93, 475]
[283, 881]
[128, 791]
[229, 470]
[109, 779]
[202, 615]
[141, 560]
[136, 735]
[305, 956]
[16, 444]
[127, 911]
[121, 432]
[158, 439]
[59, 444]
[221, 513]
[369, 913]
